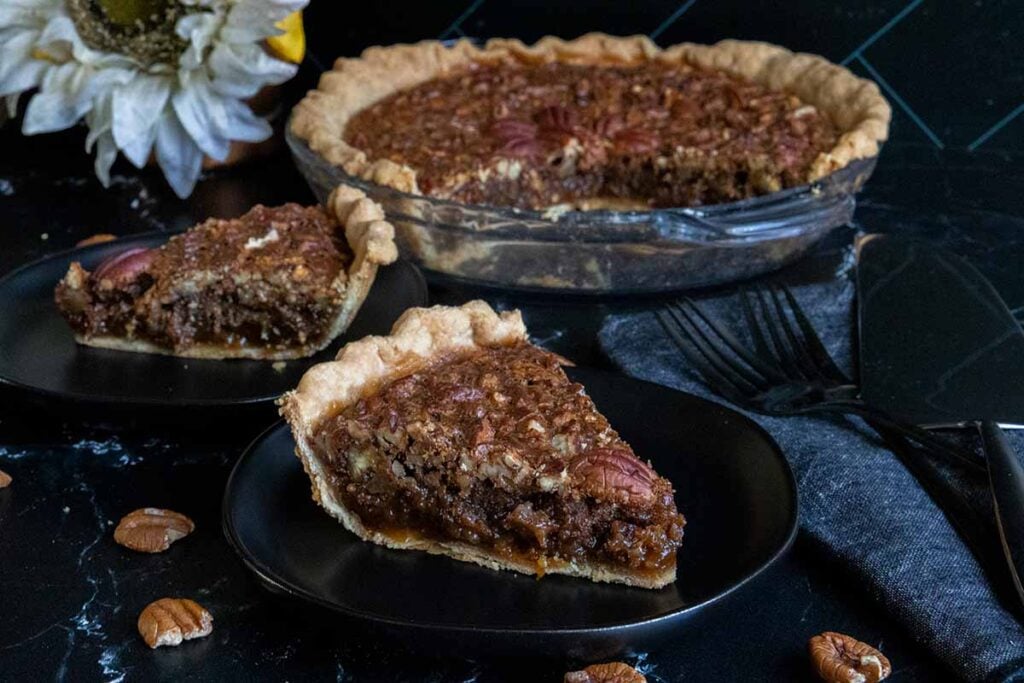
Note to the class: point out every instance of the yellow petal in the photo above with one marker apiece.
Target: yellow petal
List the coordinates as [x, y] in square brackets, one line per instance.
[290, 46]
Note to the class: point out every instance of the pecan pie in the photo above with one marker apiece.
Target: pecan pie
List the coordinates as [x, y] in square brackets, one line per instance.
[456, 436]
[275, 283]
[597, 122]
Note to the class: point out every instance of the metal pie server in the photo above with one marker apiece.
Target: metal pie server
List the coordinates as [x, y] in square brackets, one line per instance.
[938, 347]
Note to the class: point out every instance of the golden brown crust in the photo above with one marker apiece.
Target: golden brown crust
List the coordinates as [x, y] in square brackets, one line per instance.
[419, 337]
[369, 236]
[854, 104]
[372, 240]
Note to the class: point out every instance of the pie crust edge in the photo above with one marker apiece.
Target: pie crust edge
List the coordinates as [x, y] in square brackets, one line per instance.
[418, 337]
[854, 104]
[369, 236]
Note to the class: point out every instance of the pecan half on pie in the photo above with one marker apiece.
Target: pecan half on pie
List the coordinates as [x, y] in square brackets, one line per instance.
[275, 283]
[456, 436]
[596, 122]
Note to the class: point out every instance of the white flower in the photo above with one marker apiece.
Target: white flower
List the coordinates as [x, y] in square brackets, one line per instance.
[176, 100]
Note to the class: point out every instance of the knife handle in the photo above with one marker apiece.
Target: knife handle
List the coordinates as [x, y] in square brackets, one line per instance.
[1006, 476]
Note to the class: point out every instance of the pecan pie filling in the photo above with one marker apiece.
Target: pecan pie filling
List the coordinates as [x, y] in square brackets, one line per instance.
[500, 450]
[264, 279]
[644, 136]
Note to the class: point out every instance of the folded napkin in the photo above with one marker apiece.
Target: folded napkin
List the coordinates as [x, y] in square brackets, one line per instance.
[858, 503]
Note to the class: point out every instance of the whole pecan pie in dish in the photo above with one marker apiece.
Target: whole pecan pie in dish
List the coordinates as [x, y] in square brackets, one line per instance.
[456, 436]
[275, 283]
[596, 122]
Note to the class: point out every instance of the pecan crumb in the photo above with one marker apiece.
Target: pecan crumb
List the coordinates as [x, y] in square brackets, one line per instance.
[152, 530]
[611, 672]
[838, 658]
[5, 480]
[98, 238]
[169, 621]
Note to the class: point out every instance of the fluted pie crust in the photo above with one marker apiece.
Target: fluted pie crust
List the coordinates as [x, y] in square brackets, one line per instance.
[853, 105]
[422, 341]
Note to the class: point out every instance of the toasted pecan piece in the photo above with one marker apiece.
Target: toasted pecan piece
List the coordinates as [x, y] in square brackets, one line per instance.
[839, 658]
[170, 621]
[152, 530]
[610, 672]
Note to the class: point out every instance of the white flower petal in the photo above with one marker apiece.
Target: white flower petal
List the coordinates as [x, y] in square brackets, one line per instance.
[254, 20]
[22, 76]
[93, 85]
[204, 117]
[28, 13]
[137, 107]
[100, 120]
[199, 30]
[56, 106]
[106, 154]
[244, 125]
[59, 39]
[66, 94]
[18, 45]
[19, 71]
[12, 105]
[240, 71]
[178, 156]
[48, 112]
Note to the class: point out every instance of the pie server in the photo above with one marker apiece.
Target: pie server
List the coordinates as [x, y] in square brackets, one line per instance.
[938, 347]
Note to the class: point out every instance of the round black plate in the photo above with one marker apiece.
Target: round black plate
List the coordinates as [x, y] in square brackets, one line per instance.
[732, 484]
[39, 353]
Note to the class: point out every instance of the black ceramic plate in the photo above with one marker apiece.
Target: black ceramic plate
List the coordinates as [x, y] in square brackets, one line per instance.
[732, 484]
[39, 353]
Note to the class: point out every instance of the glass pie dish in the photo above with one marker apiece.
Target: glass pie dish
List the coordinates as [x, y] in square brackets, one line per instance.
[602, 251]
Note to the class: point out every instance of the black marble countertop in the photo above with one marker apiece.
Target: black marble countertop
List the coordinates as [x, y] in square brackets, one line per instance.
[70, 597]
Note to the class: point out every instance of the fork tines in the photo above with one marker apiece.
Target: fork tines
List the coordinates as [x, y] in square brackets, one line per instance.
[727, 366]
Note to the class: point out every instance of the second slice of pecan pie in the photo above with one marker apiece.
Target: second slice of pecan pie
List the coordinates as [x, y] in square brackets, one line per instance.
[455, 435]
[278, 282]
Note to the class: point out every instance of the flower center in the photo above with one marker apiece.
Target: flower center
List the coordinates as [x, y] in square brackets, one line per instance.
[140, 29]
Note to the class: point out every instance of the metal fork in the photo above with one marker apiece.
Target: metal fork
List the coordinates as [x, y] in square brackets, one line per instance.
[789, 372]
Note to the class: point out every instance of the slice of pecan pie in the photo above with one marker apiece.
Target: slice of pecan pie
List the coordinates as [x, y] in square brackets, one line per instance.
[275, 283]
[456, 436]
[596, 122]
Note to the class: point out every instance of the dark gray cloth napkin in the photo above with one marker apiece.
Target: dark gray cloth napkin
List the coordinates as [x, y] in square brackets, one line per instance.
[858, 503]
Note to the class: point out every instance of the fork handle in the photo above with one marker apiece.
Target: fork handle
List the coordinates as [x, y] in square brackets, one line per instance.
[923, 437]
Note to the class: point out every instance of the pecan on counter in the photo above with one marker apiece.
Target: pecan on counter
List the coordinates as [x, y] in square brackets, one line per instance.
[5, 480]
[610, 672]
[170, 621]
[838, 658]
[152, 530]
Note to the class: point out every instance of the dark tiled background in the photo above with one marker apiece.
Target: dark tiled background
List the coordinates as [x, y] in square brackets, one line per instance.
[953, 69]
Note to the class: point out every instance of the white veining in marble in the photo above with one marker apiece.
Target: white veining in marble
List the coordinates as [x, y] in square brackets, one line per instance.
[14, 454]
